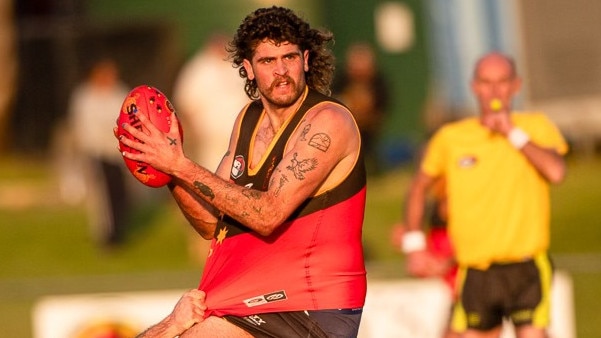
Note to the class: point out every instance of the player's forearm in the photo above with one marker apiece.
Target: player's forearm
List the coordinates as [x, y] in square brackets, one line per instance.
[253, 208]
[201, 215]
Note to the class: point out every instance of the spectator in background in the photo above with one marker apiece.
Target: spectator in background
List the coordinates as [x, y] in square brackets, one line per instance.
[364, 90]
[93, 109]
[497, 169]
[208, 98]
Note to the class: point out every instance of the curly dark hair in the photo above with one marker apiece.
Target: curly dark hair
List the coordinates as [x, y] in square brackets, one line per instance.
[281, 25]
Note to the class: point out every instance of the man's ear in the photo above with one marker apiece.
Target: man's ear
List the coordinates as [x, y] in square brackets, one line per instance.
[249, 69]
[306, 58]
[517, 85]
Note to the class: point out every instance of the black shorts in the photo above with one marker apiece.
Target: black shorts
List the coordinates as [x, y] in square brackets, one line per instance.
[306, 324]
[517, 291]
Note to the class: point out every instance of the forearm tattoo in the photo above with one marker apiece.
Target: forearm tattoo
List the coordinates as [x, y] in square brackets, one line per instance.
[251, 194]
[283, 180]
[205, 190]
[231, 198]
[280, 179]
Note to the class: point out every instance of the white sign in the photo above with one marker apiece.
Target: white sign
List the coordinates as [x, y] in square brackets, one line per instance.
[393, 309]
[420, 308]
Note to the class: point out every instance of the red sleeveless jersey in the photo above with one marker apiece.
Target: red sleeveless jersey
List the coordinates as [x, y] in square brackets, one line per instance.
[314, 261]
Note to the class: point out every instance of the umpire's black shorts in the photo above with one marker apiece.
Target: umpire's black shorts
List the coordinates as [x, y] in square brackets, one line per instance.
[519, 291]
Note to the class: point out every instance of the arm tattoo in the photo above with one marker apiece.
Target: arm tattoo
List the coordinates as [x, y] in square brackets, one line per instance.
[233, 199]
[205, 190]
[320, 141]
[299, 168]
[172, 141]
[305, 131]
[283, 180]
[251, 194]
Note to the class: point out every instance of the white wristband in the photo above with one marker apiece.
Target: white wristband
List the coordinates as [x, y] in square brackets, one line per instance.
[518, 138]
[412, 241]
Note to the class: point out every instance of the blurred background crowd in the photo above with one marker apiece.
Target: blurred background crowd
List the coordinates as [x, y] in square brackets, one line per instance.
[423, 51]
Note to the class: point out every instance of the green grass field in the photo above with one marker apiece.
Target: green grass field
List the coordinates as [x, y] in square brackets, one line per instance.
[46, 247]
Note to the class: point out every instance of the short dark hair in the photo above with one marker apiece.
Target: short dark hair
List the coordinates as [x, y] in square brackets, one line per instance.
[281, 25]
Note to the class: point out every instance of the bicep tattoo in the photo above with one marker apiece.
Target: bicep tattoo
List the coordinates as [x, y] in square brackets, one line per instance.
[300, 167]
[320, 141]
[305, 132]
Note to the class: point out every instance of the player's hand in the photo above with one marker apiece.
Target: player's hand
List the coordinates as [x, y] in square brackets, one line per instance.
[158, 149]
[189, 310]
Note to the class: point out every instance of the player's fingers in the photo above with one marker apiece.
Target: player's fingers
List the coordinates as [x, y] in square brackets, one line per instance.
[173, 127]
[149, 127]
[199, 298]
[136, 132]
[175, 130]
[198, 293]
[139, 149]
[129, 142]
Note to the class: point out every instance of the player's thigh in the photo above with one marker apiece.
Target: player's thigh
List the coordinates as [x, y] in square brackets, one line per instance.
[530, 331]
[494, 333]
[215, 327]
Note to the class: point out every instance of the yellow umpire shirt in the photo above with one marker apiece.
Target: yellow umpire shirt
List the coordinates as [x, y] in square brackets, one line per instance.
[498, 203]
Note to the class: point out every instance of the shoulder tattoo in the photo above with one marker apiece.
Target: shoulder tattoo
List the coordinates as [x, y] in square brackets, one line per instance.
[320, 141]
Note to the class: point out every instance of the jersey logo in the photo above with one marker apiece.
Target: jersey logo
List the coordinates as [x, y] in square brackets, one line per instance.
[255, 320]
[266, 298]
[238, 166]
[467, 161]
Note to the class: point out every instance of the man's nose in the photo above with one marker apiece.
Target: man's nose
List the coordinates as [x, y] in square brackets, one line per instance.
[280, 67]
